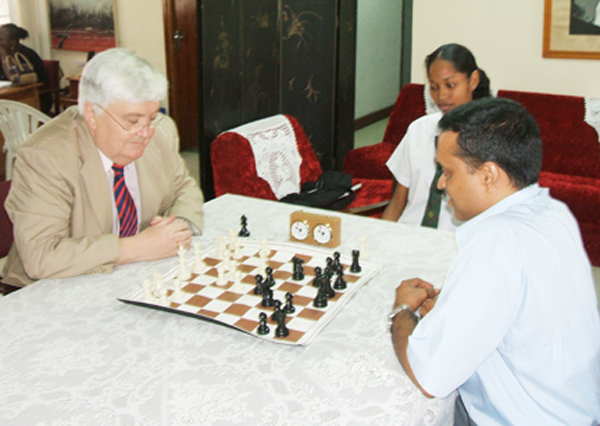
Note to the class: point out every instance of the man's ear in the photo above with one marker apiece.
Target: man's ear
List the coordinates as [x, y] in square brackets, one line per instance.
[490, 175]
[89, 115]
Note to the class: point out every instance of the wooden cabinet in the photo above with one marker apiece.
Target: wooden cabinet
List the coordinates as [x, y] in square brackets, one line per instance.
[263, 57]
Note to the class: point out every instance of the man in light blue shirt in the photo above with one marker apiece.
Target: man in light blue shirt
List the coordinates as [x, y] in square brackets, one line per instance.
[516, 327]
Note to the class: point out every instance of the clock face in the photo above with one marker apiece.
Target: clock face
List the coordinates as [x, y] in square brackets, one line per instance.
[300, 230]
[322, 233]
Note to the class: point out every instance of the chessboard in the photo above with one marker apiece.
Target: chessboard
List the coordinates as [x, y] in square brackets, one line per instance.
[223, 288]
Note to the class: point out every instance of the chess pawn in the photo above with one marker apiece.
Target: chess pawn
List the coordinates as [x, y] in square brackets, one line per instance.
[232, 239]
[233, 264]
[184, 273]
[289, 304]
[237, 281]
[264, 250]
[263, 328]
[221, 279]
[177, 293]
[221, 246]
[259, 284]
[237, 250]
[163, 297]
[158, 284]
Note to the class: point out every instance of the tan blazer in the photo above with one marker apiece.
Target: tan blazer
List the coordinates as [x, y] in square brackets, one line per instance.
[60, 200]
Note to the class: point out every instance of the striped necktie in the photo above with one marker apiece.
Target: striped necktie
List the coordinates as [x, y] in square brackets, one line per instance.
[434, 202]
[128, 218]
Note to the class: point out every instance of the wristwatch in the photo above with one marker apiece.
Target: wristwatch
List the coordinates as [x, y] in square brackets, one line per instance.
[403, 307]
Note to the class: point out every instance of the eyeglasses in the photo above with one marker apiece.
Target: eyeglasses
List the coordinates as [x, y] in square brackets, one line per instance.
[135, 126]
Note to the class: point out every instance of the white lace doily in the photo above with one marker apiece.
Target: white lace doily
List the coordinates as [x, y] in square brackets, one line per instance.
[275, 150]
[592, 113]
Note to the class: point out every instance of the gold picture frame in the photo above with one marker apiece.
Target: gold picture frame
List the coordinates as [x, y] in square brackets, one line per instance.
[558, 40]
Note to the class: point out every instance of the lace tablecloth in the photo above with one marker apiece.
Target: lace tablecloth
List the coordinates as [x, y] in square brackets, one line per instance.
[71, 354]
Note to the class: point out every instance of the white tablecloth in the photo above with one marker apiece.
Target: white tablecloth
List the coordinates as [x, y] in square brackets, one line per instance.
[71, 354]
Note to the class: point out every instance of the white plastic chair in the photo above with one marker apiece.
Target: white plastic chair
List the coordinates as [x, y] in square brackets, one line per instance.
[17, 122]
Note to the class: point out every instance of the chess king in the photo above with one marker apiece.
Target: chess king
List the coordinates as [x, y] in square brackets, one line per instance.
[103, 183]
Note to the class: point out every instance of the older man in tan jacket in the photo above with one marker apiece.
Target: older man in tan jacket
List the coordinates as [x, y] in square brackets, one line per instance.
[62, 200]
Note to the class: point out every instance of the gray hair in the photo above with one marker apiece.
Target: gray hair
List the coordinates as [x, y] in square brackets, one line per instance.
[120, 75]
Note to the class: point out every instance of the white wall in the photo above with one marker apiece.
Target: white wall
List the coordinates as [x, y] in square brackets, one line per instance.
[506, 38]
[378, 42]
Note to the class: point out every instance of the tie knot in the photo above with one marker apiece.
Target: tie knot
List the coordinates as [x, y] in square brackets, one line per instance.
[118, 169]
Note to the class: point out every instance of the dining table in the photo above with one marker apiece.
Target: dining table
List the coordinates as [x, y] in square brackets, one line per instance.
[72, 353]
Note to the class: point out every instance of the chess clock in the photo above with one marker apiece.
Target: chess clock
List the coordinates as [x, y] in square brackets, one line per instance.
[317, 229]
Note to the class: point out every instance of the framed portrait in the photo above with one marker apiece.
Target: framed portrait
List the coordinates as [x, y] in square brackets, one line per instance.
[572, 29]
[83, 25]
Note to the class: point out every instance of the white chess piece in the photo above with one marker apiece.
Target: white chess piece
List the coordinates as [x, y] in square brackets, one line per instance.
[264, 250]
[163, 297]
[221, 278]
[364, 254]
[237, 281]
[177, 293]
[226, 259]
[232, 239]
[233, 264]
[221, 246]
[199, 265]
[237, 250]
[184, 272]
[148, 296]
[158, 284]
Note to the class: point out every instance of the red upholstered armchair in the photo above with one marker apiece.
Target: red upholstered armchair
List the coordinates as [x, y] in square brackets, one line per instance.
[571, 158]
[369, 161]
[235, 168]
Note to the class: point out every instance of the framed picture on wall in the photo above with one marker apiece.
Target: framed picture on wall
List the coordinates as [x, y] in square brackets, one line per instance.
[83, 25]
[572, 29]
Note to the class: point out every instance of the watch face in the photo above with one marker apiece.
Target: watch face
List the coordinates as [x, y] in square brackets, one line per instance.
[300, 230]
[323, 233]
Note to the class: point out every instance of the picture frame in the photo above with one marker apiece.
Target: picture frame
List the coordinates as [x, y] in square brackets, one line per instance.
[82, 25]
[566, 35]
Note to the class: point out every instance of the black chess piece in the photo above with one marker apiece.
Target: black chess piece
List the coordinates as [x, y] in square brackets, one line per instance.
[269, 280]
[340, 283]
[298, 269]
[276, 310]
[321, 299]
[318, 277]
[289, 305]
[244, 231]
[337, 264]
[267, 297]
[263, 328]
[259, 284]
[326, 282]
[329, 262]
[355, 267]
[281, 330]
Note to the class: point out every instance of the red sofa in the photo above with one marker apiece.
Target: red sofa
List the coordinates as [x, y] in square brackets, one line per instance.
[571, 162]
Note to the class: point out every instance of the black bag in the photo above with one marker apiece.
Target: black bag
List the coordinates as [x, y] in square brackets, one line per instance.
[333, 191]
[18, 69]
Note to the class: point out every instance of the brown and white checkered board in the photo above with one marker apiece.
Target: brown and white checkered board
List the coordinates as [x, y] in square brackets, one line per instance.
[238, 306]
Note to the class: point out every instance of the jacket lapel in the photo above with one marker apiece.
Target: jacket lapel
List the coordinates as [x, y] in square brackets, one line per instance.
[93, 179]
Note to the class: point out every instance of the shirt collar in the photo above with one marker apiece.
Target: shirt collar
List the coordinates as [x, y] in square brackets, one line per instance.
[519, 197]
